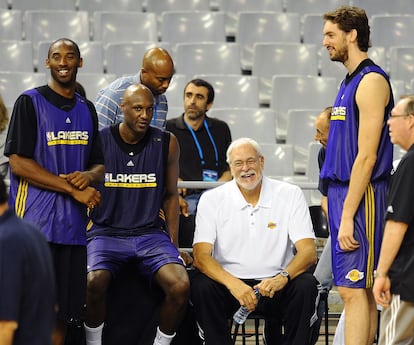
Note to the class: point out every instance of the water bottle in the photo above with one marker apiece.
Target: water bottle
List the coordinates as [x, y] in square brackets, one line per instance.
[242, 313]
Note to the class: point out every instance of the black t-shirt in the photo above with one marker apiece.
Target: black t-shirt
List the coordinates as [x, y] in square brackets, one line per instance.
[22, 135]
[323, 183]
[190, 163]
[401, 209]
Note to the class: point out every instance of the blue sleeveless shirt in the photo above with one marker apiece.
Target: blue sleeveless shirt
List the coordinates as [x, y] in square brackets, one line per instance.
[134, 186]
[342, 145]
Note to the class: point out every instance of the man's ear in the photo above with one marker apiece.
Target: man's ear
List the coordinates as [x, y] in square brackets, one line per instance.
[209, 105]
[80, 62]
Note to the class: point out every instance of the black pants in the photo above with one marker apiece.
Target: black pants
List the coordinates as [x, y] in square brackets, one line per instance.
[291, 308]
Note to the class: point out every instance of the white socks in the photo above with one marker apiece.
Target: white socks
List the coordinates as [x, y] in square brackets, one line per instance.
[93, 335]
[163, 339]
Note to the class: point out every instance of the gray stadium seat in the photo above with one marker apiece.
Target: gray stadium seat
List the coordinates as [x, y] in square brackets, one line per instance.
[234, 90]
[256, 123]
[399, 88]
[282, 58]
[207, 58]
[92, 6]
[300, 92]
[374, 7]
[231, 8]
[257, 27]
[300, 133]
[391, 30]
[192, 26]
[93, 82]
[16, 56]
[314, 6]
[11, 27]
[124, 26]
[48, 25]
[25, 5]
[123, 58]
[402, 62]
[12, 84]
[175, 92]
[278, 159]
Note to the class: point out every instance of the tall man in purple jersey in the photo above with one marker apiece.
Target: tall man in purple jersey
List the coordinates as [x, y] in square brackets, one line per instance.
[357, 164]
[138, 218]
[55, 157]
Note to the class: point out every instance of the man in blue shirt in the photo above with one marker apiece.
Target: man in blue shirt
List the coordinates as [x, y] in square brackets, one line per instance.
[156, 73]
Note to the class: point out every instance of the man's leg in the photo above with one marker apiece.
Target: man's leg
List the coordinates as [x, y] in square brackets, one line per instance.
[360, 315]
[96, 293]
[213, 306]
[173, 280]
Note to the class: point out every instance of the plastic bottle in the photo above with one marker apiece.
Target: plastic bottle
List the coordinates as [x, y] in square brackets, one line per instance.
[240, 316]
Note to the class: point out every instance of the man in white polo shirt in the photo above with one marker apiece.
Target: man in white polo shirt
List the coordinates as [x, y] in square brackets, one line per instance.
[254, 232]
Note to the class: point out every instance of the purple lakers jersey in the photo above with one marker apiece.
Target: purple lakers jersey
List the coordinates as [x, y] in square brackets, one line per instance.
[342, 146]
[64, 140]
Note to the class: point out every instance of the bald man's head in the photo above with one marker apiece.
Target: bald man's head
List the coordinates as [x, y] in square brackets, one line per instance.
[157, 70]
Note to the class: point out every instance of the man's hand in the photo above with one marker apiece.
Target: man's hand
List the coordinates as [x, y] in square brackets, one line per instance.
[244, 294]
[381, 290]
[183, 206]
[187, 258]
[78, 179]
[268, 287]
[346, 239]
[89, 196]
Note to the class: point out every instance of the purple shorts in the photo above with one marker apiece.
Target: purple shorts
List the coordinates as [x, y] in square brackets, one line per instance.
[355, 269]
[151, 251]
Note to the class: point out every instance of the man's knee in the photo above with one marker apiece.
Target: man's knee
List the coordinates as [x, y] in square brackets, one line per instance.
[98, 282]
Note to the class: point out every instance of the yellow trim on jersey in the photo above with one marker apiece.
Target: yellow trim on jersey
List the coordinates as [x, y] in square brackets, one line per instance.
[369, 231]
[21, 197]
[161, 214]
[131, 185]
[67, 142]
[338, 117]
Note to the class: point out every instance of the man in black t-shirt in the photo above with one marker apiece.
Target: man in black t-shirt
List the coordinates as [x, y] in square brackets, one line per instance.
[394, 277]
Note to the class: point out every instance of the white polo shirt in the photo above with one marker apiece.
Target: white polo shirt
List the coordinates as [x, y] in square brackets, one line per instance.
[253, 242]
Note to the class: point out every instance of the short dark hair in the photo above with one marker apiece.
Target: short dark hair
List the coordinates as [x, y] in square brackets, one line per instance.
[203, 83]
[4, 195]
[64, 39]
[349, 18]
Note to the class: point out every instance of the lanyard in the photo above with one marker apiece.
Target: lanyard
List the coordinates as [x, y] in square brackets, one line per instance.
[200, 151]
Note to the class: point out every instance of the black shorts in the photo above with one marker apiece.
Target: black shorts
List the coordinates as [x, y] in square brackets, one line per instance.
[70, 272]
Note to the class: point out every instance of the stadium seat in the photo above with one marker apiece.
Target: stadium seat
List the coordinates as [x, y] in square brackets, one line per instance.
[16, 56]
[300, 133]
[256, 123]
[91, 52]
[93, 82]
[124, 26]
[92, 6]
[12, 84]
[282, 58]
[234, 90]
[402, 62]
[389, 30]
[25, 5]
[278, 159]
[175, 94]
[192, 27]
[299, 92]
[374, 7]
[48, 25]
[312, 28]
[123, 58]
[257, 27]
[207, 58]
[314, 6]
[399, 88]
[11, 27]
[231, 8]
